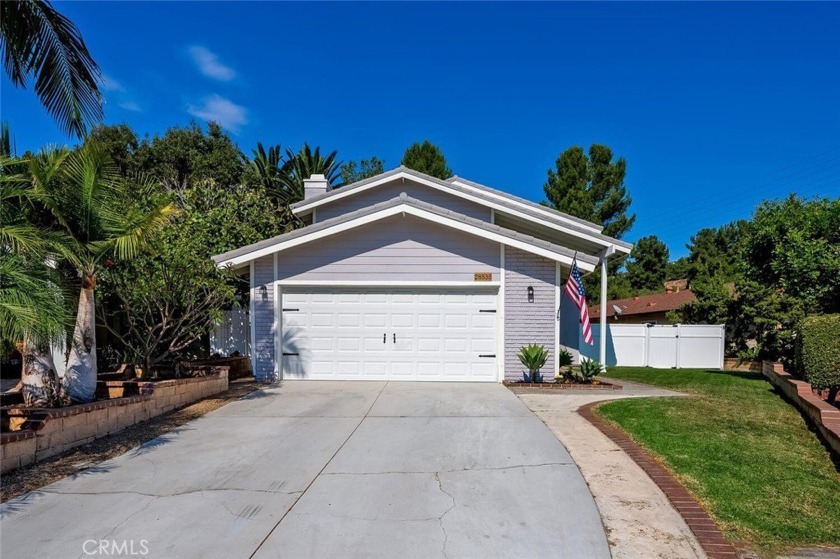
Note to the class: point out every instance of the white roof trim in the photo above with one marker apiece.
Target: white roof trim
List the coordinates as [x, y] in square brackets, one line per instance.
[589, 233]
[403, 208]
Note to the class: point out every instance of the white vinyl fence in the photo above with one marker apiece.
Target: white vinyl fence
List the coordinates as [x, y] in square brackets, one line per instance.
[660, 347]
[233, 334]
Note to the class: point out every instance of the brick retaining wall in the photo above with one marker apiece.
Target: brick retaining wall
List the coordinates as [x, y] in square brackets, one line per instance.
[825, 416]
[53, 431]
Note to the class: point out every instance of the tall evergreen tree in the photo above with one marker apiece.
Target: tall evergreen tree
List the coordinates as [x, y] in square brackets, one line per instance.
[427, 158]
[648, 264]
[352, 172]
[591, 187]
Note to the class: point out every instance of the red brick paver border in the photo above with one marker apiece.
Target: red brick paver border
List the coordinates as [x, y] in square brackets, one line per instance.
[708, 533]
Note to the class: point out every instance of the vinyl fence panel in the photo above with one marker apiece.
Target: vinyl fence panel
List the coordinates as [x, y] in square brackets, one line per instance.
[233, 334]
[660, 346]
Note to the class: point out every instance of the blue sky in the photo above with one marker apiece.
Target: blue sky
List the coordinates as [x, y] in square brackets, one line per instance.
[714, 106]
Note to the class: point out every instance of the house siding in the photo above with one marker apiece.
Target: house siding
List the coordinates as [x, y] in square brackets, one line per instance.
[387, 192]
[399, 248]
[526, 322]
[263, 317]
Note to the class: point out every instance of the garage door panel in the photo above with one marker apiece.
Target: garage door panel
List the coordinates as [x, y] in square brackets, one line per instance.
[398, 335]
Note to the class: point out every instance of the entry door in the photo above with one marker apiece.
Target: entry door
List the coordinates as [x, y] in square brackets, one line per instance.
[443, 335]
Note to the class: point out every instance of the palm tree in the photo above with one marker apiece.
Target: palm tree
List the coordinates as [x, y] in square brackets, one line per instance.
[41, 44]
[103, 217]
[305, 163]
[32, 309]
[268, 166]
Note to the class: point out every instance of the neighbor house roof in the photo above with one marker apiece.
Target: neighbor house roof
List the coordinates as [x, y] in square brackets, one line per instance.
[500, 201]
[405, 204]
[646, 304]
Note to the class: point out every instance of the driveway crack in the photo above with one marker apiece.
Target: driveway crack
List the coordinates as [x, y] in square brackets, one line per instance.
[440, 518]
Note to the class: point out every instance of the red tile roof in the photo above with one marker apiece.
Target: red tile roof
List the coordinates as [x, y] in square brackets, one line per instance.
[645, 304]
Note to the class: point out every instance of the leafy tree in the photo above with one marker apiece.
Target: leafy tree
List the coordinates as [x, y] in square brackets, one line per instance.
[103, 217]
[646, 267]
[305, 163]
[427, 158]
[40, 44]
[184, 156]
[366, 168]
[161, 304]
[119, 143]
[592, 188]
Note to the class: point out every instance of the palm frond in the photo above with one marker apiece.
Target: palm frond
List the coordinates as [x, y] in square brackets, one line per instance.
[40, 43]
[31, 303]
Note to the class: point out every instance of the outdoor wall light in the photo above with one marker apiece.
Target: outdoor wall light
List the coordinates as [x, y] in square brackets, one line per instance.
[530, 294]
[264, 292]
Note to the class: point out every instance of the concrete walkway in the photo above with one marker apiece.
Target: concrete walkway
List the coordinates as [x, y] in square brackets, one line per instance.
[318, 469]
[639, 519]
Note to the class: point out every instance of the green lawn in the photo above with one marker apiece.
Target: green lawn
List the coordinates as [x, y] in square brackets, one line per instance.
[742, 450]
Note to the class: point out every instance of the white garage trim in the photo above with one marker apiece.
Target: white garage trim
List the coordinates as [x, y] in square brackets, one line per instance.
[426, 334]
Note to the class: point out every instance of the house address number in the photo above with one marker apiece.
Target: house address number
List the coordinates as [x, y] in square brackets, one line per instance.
[483, 276]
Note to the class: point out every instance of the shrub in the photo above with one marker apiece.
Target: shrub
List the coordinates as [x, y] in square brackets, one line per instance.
[819, 352]
[589, 369]
[533, 356]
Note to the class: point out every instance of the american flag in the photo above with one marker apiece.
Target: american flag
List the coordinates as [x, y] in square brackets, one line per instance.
[574, 289]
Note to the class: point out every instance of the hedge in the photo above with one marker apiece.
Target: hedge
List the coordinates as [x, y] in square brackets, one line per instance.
[819, 352]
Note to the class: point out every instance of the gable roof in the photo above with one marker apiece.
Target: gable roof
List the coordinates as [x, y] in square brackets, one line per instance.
[405, 204]
[495, 199]
[646, 304]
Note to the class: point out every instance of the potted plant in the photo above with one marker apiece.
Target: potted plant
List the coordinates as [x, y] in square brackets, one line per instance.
[533, 356]
[564, 363]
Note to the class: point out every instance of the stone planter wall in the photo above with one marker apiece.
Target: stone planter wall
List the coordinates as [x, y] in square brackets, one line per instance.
[825, 416]
[46, 432]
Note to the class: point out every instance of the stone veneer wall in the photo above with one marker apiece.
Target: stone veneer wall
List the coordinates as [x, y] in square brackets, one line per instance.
[526, 322]
[61, 429]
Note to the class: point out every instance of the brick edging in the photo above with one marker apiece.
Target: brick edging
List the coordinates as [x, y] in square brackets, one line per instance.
[705, 529]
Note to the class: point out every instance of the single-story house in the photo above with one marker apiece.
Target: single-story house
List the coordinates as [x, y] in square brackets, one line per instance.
[404, 276]
[647, 309]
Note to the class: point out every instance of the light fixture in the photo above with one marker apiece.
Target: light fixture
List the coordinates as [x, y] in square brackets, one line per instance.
[530, 294]
[264, 292]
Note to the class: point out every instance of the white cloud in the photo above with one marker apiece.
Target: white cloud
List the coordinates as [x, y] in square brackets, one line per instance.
[209, 65]
[131, 106]
[107, 83]
[224, 111]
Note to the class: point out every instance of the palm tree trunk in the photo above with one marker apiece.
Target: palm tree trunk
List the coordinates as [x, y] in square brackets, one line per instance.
[41, 385]
[80, 377]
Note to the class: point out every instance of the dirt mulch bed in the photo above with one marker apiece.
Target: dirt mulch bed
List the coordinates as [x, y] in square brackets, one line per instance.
[18, 482]
[537, 387]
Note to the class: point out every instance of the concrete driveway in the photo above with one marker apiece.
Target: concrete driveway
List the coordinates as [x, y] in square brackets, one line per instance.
[322, 469]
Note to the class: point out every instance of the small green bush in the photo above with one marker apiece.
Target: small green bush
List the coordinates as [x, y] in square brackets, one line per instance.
[533, 356]
[589, 369]
[819, 352]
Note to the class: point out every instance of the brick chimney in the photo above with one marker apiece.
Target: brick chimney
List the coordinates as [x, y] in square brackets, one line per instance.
[314, 186]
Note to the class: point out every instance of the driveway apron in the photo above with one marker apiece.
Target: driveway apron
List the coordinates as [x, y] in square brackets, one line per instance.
[328, 469]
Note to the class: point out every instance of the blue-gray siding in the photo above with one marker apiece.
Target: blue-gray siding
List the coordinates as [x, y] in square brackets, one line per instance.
[525, 322]
[390, 191]
[398, 248]
[263, 317]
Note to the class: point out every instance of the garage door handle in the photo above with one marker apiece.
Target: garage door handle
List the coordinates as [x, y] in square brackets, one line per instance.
[395, 337]
[384, 337]
[493, 355]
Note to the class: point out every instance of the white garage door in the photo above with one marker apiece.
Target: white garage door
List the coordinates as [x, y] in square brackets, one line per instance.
[390, 335]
